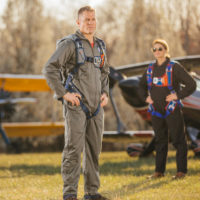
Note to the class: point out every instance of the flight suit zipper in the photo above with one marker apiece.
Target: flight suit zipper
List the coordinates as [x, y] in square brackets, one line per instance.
[94, 68]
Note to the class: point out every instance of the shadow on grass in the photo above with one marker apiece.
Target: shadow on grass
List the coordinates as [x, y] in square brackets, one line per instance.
[22, 170]
[143, 185]
[141, 167]
[127, 167]
[137, 187]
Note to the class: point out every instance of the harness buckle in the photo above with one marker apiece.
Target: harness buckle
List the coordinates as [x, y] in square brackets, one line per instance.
[150, 108]
[70, 75]
[171, 106]
[157, 81]
[97, 60]
[79, 44]
[90, 59]
[68, 81]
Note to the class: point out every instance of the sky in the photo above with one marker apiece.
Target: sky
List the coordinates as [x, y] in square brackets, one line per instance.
[51, 5]
[2, 5]
[66, 8]
[61, 9]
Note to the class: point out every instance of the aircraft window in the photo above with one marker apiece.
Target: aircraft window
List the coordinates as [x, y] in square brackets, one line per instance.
[198, 84]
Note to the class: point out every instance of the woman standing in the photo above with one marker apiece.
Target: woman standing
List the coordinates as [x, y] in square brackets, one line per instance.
[161, 88]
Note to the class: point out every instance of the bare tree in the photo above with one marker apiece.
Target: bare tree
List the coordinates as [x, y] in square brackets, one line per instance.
[184, 16]
[23, 22]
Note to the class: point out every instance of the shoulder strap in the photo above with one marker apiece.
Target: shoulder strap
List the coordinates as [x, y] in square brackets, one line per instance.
[102, 48]
[79, 52]
[149, 75]
[101, 44]
[169, 70]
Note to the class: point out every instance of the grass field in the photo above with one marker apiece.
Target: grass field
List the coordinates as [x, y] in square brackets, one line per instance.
[37, 177]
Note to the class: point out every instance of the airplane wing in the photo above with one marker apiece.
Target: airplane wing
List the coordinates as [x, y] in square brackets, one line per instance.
[34, 129]
[33, 83]
[139, 136]
[17, 101]
[189, 62]
[31, 129]
[23, 83]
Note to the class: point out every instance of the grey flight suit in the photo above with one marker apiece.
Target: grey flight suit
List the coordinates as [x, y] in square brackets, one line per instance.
[81, 134]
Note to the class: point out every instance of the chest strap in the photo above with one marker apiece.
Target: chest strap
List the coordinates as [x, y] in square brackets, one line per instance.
[165, 81]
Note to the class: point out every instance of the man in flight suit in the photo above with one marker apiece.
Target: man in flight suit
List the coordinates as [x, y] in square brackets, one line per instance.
[84, 94]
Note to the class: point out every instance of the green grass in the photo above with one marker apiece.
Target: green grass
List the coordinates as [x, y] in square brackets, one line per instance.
[37, 177]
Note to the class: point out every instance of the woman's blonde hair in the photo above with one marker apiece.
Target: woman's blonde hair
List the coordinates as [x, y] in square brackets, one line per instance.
[164, 44]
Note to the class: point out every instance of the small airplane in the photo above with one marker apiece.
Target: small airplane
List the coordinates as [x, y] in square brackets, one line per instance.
[129, 89]
[10, 83]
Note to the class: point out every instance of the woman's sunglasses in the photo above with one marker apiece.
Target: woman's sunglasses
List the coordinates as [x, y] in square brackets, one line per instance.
[159, 49]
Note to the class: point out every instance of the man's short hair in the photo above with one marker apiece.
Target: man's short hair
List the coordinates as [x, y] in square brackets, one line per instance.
[85, 8]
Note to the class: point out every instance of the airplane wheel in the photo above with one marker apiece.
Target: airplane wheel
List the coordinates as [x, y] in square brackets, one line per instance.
[197, 151]
[14, 147]
[134, 150]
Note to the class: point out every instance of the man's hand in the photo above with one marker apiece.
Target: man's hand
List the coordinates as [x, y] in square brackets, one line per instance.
[73, 98]
[149, 100]
[104, 99]
[171, 97]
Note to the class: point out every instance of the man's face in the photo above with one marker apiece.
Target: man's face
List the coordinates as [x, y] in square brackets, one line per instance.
[87, 22]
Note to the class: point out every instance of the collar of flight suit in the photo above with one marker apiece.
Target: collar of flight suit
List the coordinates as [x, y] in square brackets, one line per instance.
[81, 36]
